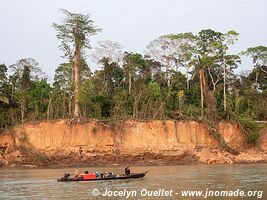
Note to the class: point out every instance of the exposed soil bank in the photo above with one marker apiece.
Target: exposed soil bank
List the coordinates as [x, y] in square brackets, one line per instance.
[58, 143]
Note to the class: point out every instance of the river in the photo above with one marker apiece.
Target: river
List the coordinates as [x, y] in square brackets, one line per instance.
[162, 182]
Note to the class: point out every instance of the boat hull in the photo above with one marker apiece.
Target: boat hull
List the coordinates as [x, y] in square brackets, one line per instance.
[131, 176]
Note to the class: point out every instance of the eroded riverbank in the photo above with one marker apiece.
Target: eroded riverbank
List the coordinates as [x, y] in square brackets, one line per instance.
[58, 143]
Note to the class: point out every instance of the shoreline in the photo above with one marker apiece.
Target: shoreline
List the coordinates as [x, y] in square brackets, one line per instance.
[22, 167]
[136, 164]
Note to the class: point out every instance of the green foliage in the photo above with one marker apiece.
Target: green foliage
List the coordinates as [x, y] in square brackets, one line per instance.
[4, 120]
[192, 111]
[39, 95]
[3, 74]
[154, 89]
[62, 78]
[75, 26]
[250, 127]
[4, 99]
[258, 54]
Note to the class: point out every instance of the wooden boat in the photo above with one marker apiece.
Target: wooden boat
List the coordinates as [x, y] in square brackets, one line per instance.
[67, 177]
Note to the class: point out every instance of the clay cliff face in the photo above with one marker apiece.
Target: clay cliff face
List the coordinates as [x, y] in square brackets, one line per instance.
[93, 142]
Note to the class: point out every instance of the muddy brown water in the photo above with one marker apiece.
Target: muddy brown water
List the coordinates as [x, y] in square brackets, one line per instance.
[162, 182]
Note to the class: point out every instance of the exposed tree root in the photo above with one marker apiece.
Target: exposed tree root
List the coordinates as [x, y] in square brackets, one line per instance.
[34, 156]
[216, 134]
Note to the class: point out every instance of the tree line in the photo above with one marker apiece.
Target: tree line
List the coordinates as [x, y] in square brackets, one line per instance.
[180, 76]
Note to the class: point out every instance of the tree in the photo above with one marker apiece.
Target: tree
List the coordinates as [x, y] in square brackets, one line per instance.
[212, 55]
[62, 84]
[108, 76]
[108, 49]
[262, 78]
[185, 45]
[24, 73]
[3, 82]
[207, 43]
[74, 34]
[3, 74]
[228, 38]
[131, 63]
[259, 58]
[33, 67]
[64, 89]
[164, 51]
[4, 98]
[39, 97]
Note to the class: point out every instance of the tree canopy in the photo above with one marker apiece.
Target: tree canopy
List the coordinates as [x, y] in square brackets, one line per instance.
[180, 76]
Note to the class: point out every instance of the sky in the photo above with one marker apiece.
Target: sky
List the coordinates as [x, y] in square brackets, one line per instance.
[26, 25]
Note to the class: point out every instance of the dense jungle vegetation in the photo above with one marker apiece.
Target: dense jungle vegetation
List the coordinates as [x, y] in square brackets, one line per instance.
[179, 76]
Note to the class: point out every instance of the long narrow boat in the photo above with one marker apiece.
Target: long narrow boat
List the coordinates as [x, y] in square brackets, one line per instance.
[114, 177]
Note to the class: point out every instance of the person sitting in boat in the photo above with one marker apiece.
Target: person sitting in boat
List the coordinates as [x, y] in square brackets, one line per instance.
[76, 174]
[86, 172]
[108, 175]
[127, 171]
[98, 175]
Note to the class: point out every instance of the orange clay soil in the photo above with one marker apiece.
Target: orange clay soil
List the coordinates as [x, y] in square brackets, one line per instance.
[58, 143]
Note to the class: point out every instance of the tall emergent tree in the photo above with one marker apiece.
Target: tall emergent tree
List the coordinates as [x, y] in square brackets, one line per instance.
[185, 44]
[207, 50]
[74, 33]
[165, 51]
[227, 61]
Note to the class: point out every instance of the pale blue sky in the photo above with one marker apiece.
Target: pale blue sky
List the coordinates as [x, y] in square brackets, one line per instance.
[26, 29]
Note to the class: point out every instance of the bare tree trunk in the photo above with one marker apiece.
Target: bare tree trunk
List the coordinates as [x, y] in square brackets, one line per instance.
[106, 86]
[201, 79]
[130, 81]
[57, 111]
[84, 111]
[264, 70]
[12, 93]
[22, 110]
[70, 106]
[160, 109]
[224, 86]
[212, 80]
[49, 106]
[168, 79]
[64, 105]
[36, 110]
[76, 113]
[72, 72]
[168, 75]
[135, 105]
[257, 77]
[48, 109]
[187, 79]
